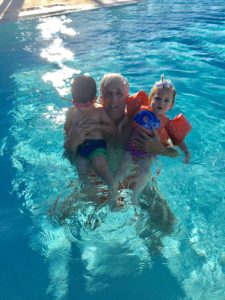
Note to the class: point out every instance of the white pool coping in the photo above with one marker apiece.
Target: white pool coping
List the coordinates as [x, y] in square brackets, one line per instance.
[57, 9]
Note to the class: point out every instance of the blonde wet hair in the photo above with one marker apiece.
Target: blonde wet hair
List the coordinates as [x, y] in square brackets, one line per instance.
[156, 87]
[109, 78]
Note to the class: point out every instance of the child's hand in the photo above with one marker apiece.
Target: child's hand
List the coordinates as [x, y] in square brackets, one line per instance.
[187, 157]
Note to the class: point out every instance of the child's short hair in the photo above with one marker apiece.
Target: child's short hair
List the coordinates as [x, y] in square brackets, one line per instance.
[83, 89]
[162, 83]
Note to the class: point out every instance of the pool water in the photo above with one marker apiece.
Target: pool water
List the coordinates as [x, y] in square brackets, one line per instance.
[41, 259]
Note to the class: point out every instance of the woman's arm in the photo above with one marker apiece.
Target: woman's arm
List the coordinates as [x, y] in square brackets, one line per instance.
[152, 144]
[106, 126]
[122, 124]
[106, 129]
[76, 136]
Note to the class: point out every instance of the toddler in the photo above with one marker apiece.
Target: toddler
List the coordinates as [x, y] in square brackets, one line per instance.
[88, 143]
[149, 114]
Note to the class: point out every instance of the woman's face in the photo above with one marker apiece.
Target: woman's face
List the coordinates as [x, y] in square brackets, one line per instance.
[114, 100]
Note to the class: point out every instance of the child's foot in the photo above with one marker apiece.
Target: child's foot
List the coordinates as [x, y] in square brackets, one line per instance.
[120, 202]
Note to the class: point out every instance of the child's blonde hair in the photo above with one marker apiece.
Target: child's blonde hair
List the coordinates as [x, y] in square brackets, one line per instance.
[162, 83]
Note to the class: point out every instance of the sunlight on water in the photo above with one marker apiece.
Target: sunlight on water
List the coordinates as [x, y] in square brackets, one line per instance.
[188, 47]
[49, 27]
[56, 116]
[58, 78]
[56, 52]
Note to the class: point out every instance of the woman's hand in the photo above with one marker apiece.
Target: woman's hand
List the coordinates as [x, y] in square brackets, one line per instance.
[105, 129]
[151, 143]
[146, 142]
[88, 126]
[75, 136]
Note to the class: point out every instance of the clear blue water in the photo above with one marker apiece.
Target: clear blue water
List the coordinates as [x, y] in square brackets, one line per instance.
[41, 260]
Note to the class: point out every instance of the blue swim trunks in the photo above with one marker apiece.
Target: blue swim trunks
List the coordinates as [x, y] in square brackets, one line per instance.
[92, 148]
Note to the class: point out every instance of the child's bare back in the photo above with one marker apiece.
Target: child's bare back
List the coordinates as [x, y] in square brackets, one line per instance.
[94, 115]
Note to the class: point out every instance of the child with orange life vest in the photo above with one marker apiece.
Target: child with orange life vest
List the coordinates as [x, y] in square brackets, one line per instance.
[149, 114]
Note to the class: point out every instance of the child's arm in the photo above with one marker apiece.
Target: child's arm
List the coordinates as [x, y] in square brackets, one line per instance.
[187, 153]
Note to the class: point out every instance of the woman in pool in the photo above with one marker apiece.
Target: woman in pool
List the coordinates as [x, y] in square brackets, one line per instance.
[114, 90]
[114, 93]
